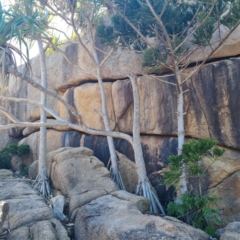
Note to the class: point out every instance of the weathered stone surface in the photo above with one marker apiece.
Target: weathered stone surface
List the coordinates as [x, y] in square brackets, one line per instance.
[58, 205]
[72, 153]
[142, 203]
[77, 201]
[86, 98]
[29, 130]
[21, 233]
[21, 215]
[128, 171]
[228, 193]
[232, 232]
[62, 75]
[26, 206]
[219, 171]
[16, 163]
[55, 140]
[12, 188]
[217, 89]
[33, 170]
[49, 230]
[230, 47]
[4, 173]
[74, 176]
[42, 230]
[79, 176]
[127, 222]
[50, 157]
[157, 108]
[4, 209]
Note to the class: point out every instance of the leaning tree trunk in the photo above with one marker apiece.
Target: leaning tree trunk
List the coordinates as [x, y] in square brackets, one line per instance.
[181, 132]
[41, 183]
[144, 187]
[114, 172]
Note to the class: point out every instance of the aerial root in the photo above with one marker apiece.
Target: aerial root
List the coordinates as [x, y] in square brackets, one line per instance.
[116, 177]
[145, 189]
[43, 187]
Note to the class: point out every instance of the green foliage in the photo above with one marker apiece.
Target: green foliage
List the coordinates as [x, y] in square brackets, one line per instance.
[153, 57]
[193, 153]
[179, 19]
[233, 16]
[24, 170]
[12, 150]
[196, 210]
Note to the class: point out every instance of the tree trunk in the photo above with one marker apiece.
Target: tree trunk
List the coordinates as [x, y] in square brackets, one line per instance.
[42, 163]
[114, 172]
[181, 132]
[144, 187]
[41, 183]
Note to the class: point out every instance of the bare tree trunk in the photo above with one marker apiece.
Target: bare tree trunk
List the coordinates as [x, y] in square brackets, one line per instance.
[144, 187]
[114, 172]
[41, 183]
[181, 131]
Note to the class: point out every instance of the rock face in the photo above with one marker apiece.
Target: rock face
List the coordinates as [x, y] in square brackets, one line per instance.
[211, 107]
[93, 221]
[4, 208]
[79, 176]
[231, 231]
[29, 215]
[97, 208]
[55, 140]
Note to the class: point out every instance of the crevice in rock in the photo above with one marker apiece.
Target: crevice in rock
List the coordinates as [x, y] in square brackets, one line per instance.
[224, 179]
[195, 93]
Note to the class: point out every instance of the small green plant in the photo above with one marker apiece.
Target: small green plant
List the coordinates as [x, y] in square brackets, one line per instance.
[24, 169]
[195, 209]
[12, 150]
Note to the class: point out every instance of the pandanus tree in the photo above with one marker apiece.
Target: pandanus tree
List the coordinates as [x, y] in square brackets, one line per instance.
[22, 22]
[170, 34]
[13, 26]
[81, 16]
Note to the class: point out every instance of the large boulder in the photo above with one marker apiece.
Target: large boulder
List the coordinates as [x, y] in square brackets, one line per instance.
[111, 218]
[158, 107]
[29, 215]
[231, 231]
[229, 48]
[42, 230]
[128, 172]
[62, 74]
[80, 177]
[87, 98]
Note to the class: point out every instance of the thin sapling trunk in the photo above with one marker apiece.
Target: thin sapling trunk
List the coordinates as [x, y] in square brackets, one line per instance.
[181, 130]
[41, 184]
[114, 172]
[144, 187]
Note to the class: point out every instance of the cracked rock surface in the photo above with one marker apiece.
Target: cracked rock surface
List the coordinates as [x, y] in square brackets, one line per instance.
[29, 216]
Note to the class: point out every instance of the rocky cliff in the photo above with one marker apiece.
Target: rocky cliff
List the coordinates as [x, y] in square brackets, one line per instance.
[211, 106]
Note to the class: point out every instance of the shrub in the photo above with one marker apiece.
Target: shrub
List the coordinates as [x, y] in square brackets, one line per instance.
[12, 150]
[196, 210]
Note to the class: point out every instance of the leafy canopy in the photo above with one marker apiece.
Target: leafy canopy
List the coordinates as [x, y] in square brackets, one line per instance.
[194, 152]
[179, 19]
